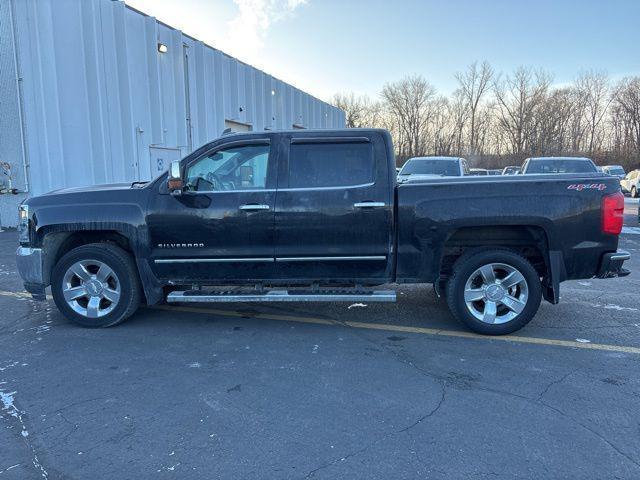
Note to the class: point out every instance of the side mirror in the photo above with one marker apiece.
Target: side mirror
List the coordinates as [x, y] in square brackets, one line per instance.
[174, 180]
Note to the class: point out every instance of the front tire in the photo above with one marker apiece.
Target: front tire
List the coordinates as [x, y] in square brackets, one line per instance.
[494, 292]
[96, 285]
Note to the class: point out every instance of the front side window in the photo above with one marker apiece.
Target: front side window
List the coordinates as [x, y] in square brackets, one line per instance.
[234, 168]
[316, 165]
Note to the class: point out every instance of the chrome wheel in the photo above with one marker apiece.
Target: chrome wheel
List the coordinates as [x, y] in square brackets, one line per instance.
[496, 293]
[91, 288]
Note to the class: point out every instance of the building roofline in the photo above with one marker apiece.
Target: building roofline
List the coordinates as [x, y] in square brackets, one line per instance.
[222, 52]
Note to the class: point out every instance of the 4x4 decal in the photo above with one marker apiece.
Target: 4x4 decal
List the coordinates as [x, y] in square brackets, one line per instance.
[587, 186]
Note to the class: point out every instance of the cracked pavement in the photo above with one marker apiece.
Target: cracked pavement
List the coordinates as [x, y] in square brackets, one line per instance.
[173, 394]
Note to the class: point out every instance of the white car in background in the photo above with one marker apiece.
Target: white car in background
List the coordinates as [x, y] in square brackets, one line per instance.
[424, 168]
[631, 183]
[511, 170]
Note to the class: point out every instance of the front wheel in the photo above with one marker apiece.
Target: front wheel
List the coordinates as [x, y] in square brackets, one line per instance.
[634, 192]
[96, 285]
[494, 292]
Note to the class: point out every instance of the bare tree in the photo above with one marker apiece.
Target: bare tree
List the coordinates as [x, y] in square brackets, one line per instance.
[625, 120]
[410, 103]
[458, 115]
[555, 116]
[354, 108]
[474, 84]
[593, 88]
[519, 98]
[499, 121]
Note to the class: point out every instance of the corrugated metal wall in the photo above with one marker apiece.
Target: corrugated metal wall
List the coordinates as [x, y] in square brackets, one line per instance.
[98, 96]
[11, 145]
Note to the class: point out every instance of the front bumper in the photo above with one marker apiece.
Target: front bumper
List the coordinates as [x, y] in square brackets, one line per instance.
[611, 265]
[30, 267]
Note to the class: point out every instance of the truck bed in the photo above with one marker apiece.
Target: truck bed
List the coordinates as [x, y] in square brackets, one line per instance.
[437, 216]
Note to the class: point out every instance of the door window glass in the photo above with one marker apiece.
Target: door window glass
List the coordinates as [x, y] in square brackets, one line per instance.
[235, 168]
[315, 165]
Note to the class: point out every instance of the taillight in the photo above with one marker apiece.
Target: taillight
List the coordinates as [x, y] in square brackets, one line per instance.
[613, 213]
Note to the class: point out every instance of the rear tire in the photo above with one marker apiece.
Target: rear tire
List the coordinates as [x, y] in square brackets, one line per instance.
[96, 285]
[494, 292]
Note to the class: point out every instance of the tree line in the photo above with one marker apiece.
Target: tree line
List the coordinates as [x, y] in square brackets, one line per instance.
[497, 119]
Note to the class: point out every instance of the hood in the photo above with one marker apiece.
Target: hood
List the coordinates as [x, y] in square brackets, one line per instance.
[107, 194]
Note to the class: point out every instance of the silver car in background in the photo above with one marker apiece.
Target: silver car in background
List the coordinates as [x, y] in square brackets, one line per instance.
[614, 170]
[548, 165]
[424, 168]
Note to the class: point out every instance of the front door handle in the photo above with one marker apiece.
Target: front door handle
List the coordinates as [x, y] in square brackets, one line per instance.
[368, 205]
[249, 207]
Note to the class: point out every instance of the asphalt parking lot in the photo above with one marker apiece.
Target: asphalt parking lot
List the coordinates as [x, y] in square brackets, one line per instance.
[322, 390]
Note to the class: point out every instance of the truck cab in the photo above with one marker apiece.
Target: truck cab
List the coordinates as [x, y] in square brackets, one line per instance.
[278, 207]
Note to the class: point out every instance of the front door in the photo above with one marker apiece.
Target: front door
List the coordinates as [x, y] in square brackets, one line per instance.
[334, 210]
[221, 228]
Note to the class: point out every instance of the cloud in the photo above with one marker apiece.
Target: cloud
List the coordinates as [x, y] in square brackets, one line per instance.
[247, 30]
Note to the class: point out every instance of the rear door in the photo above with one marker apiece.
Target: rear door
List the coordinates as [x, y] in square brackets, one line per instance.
[333, 215]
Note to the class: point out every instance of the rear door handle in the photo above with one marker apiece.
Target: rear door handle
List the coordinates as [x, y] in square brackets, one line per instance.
[254, 207]
[368, 205]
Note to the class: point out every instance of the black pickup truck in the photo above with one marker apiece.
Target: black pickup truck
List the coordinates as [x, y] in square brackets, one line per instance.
[318, 216]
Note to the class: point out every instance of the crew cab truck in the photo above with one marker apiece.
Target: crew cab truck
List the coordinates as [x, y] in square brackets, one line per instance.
[318, 216]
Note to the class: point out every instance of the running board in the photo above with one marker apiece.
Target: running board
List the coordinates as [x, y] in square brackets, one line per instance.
[196, 296]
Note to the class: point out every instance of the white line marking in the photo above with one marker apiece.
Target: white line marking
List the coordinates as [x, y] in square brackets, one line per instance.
[631, 230]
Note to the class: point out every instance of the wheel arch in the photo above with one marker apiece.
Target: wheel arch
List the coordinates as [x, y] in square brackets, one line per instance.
[57, 240]
[533, 242]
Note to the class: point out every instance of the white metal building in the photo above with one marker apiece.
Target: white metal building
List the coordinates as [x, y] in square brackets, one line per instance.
[92, 91]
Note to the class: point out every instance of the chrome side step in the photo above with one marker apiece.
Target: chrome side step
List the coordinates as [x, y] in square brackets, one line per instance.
[197, 296]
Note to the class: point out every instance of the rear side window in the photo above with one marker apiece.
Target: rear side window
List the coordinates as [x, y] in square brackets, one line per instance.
[316, 165]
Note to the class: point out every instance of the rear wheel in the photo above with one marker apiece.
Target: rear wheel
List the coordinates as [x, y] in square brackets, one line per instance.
[494, 292]
[96, 285]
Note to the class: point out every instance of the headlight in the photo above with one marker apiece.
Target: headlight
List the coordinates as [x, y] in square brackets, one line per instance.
[23, 224]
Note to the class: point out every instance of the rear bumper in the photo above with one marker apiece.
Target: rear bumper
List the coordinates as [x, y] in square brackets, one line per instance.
[611, 265]
[30, 268]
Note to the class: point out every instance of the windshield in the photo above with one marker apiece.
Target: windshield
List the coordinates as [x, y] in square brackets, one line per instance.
[560, 166]
[444, 168]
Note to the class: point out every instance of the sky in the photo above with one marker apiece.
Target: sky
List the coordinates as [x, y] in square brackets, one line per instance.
[329, 46]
